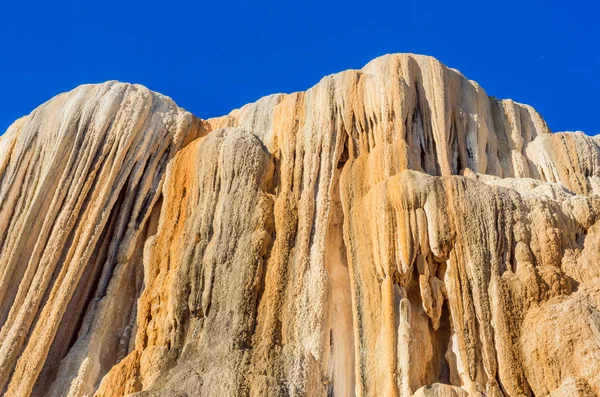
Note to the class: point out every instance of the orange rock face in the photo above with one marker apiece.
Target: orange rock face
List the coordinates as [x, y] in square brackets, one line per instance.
[392, 231]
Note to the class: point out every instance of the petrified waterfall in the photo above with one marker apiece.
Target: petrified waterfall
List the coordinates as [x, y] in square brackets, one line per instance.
[392, 231]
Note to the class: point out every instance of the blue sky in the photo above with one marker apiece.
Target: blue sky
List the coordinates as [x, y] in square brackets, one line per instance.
[211, 57]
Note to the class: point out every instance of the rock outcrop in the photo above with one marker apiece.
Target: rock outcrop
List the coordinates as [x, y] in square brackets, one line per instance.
[392, 231]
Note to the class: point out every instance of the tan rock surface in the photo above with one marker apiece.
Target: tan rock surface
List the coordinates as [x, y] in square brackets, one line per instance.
[80, 183]
[392, 231]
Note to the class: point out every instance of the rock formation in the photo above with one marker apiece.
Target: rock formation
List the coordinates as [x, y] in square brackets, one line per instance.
[392, 231]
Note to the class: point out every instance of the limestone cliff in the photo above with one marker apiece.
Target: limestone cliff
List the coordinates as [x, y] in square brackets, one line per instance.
[392, 231]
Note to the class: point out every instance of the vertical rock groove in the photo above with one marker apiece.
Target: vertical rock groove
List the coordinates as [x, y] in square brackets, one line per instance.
[340, 375]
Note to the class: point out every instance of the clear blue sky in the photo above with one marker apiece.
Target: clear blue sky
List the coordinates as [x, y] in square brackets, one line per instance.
[214, 56]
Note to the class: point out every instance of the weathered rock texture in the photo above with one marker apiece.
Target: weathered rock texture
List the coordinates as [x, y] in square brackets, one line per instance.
[391, 231]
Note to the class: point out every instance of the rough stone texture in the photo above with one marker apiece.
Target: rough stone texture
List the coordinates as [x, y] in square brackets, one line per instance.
[392, 231]
[80, 181]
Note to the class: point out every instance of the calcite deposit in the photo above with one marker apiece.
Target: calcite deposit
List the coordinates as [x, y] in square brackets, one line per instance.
[392, 231]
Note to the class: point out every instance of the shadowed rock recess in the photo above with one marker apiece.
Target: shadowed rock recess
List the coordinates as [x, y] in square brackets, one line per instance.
[392, 231]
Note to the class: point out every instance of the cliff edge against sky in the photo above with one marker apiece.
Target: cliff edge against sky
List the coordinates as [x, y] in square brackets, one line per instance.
[392, 231]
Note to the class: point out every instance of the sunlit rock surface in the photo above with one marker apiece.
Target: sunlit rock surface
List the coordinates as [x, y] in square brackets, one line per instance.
[392, 231]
